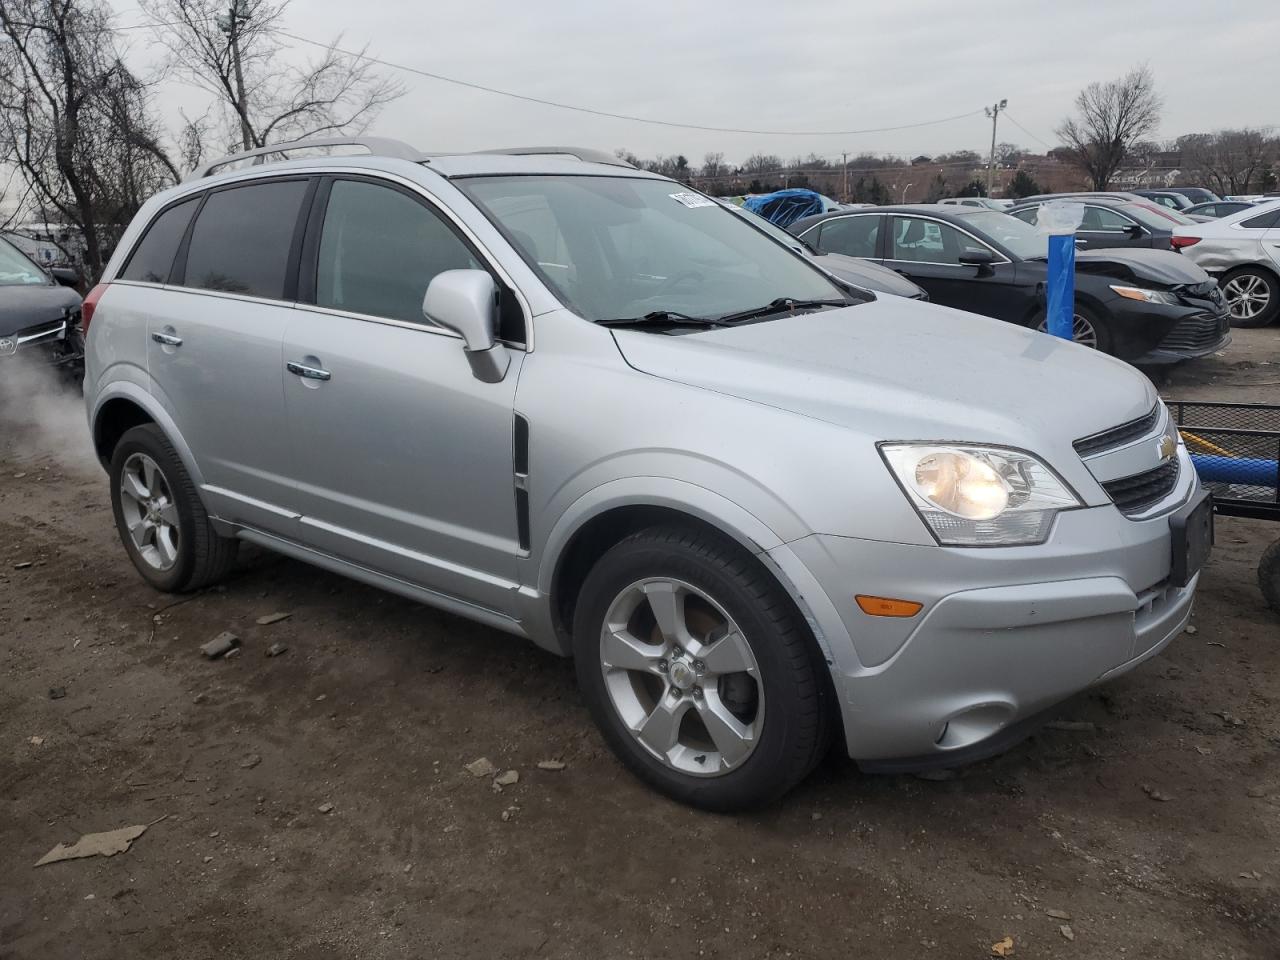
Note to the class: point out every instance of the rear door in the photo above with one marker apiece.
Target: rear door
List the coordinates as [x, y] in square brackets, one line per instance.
[1104, 227]
[403, 458]
[214, 336]
[928, 251]
[857, 235]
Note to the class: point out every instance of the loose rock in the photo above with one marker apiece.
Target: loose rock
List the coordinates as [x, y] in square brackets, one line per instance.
[1067, 932]
[550, 765]
[23, 565]
[325, 807]
[1229, 719]
[220, 644]
[57, 693]
[508, 779]
[482, 768]
[1058, 914]
[270, 618]
[276, 649]
[251, 761]
[1155, 794]
[1191, 630]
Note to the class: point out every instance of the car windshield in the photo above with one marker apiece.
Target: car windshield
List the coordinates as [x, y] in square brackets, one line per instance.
[1150, 215]
[623, 247]
[17, 270]
[1019, 238]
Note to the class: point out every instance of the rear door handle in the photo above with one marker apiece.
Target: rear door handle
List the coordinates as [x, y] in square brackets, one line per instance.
[168, 339]
[307, 373]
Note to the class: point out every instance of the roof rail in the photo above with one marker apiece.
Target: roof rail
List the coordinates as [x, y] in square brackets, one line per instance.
[585, 154]
[377, 146]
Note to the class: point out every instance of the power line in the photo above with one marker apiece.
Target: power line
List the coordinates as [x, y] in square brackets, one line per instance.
[618, 116]
[1008, 116]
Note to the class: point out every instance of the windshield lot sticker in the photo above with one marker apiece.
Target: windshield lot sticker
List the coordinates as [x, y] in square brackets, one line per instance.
[692, 200]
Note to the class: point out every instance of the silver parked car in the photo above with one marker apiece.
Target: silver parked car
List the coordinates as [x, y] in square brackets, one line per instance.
[1242, 250]
[587, 405]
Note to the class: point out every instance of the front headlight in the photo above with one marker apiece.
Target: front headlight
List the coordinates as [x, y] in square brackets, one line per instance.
[979, 496]
[1149, 296]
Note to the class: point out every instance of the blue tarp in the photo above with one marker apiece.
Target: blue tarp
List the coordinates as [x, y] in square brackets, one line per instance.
[785, 207]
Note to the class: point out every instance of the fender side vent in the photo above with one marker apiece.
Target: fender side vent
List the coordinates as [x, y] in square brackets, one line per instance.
[520, 470]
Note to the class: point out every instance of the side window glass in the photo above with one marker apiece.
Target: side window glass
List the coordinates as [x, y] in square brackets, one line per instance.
[1263, 221]
[153, 256]
[1027, 216]
[924, 241]
[852, 236]
[380, 249]
[242, 239]
[1100, 218]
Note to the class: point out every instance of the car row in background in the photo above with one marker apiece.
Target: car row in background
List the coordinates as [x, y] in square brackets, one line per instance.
[851, 270]
[39, 313]
[1243, 251]
[1113, 222]
[1148, 307]
[1218, 208]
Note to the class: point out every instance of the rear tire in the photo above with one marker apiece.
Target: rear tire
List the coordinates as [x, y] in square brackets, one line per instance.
[1253, 296]
[741, 738]
[159, 516]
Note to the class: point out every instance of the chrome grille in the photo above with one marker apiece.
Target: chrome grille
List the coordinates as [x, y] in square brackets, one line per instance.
[1136, 494]
[1118, 436]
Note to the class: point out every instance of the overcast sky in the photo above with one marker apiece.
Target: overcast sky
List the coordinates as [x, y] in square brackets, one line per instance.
[793, 65]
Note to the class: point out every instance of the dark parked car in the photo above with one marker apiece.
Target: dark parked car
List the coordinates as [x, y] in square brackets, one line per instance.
[1116, 223]
[860, 273]
[1144, 306]
[39, 315]
[1218, 208]
[1196, 194]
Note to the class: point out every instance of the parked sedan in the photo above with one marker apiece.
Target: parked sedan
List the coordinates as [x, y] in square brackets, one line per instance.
[1145, 306]
[39, 315]
[860, 273]
[1243, 251]
[1116, 223]
[1217, 208]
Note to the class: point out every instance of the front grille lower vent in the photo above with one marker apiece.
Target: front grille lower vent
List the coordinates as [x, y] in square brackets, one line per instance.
[1133, 495]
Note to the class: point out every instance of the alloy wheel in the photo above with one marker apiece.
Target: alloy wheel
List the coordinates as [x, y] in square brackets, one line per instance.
[682, 677]
[1082, 331]
[150, 515]
[1247, 296]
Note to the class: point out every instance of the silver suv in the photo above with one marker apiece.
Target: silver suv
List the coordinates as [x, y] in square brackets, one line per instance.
[587, 405]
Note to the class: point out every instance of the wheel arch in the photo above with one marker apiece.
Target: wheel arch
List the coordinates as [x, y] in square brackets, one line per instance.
[124, 405]
[605, 516]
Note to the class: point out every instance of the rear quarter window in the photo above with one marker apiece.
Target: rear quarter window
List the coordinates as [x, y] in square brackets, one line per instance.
[152, 258]
[1263, 221]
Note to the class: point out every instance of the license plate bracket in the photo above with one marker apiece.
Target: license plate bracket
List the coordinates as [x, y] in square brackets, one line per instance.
[1191, 538]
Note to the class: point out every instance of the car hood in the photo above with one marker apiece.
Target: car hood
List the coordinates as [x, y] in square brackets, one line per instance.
[906, 370]
[26, 306]
[1158, 266]
[863, 273]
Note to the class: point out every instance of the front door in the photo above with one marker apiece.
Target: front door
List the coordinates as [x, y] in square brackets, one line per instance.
[929, 251]
[403, 458]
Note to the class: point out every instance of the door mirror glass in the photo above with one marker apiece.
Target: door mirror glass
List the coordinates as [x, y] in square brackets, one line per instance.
[977, 258]
[466, 302]
[65, 276]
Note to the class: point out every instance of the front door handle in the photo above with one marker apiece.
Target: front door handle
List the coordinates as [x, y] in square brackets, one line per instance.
[307, 373]
[168, 339]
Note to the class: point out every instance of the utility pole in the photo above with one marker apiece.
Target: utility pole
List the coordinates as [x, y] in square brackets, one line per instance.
[230, 24]
[844, 164]
[993, 112]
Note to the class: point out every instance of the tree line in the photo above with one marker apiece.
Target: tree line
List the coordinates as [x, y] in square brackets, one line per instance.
[80, 129]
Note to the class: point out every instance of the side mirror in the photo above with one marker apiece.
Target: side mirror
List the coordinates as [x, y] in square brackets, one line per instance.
[65, 276]
[1133, 231]
[982, 259]
[466, 302]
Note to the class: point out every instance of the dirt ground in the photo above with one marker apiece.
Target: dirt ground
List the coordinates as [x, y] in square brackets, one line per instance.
[1153, 833]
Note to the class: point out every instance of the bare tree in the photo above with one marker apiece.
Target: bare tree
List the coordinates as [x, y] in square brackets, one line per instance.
[1009, 154]
[713, 166]
[1232, 161]
[232, 49]
[1111, 118]
[760, 163]
[74, 121]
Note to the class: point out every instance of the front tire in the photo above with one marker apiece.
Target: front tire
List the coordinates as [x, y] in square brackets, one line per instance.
[159, 516]
[700, 673]
[1086, 330]
[1252, 295]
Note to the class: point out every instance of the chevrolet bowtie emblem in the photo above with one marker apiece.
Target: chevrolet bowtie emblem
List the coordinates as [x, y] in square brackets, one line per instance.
[1166, 446]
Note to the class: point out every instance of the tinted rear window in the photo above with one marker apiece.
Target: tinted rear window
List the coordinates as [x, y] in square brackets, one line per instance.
[1262, 221]
[242, 238]
[153, 256]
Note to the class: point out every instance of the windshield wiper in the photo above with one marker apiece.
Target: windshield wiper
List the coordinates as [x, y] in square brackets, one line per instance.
[777, 306]
[662, 318]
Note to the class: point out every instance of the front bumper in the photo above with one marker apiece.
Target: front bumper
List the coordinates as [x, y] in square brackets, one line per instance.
[1005, 633]
[1149, 334]
[1195, 336]
[57, 344]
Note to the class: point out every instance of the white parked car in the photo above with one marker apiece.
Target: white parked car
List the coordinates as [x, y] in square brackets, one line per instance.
[1243, 251]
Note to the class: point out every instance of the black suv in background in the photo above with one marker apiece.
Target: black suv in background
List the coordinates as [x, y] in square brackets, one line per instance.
[1144, 306]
